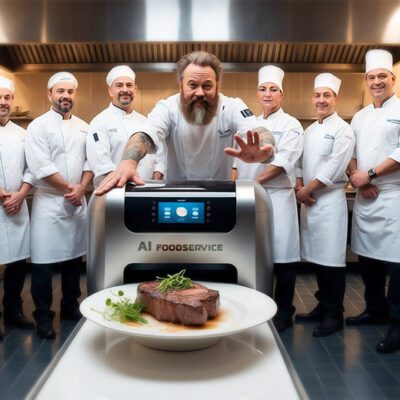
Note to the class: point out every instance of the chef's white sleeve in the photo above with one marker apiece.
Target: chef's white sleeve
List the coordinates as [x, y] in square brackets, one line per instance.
[339, 158]
[37, 152]
[289, 149]
[353, 125]
[98, 150]
[299, 167]
[28, 177]
[395, 155]
[160, 164]
[158, 125]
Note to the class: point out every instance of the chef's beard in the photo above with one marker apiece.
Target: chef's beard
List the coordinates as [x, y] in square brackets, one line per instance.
[64, 108]
[199, 115]
[125, 102]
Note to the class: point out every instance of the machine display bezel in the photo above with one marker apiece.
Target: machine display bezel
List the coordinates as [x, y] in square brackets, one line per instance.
[142, 214]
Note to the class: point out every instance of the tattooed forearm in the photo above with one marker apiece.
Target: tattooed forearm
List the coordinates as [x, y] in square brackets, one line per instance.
[137, 147]
[266, 137]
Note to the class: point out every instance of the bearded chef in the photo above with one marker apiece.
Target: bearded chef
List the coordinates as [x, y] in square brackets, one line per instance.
[375, 171]
[15, 182]
[328, 147]
[55, 152]
[194, 127]
[279, 179]
[111, 129]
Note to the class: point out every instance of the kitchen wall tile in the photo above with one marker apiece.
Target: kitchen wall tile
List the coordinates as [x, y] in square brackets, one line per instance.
[93, 96]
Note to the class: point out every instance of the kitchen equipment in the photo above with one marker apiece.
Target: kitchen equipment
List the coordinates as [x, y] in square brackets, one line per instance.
[217, 231]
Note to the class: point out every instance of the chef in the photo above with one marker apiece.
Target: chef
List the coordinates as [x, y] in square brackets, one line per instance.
[56, 155]
[110, 130]
[279, 180]
[328, 147]
[194, 127]
[375, 171]
[15, 182]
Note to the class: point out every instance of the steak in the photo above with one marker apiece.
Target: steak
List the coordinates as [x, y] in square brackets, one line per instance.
[192, 306]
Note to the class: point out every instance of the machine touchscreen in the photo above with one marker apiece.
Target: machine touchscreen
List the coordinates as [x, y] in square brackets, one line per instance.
[180, 212]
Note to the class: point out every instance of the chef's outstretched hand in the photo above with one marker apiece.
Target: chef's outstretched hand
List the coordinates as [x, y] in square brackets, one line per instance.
[125, 172]
[252, 151]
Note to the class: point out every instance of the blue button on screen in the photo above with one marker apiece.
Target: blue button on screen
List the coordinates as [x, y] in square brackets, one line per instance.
[180, 213]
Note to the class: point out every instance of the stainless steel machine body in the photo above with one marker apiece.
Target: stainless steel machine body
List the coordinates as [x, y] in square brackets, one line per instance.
[182, 225]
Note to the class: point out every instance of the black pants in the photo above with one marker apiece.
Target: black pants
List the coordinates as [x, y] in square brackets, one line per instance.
[42, 288]
[331, 287]
[373, 273]
[285, 274]
[14, 279]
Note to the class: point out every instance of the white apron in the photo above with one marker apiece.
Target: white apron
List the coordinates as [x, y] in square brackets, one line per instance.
[14, 229]
[286, 225]
[328, 148]
[58, 228]
[323, 228]
[376, 226]
[288, 135]
[376, 222]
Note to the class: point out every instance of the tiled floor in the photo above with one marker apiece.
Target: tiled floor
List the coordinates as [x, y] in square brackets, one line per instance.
[342, 366]
[23, 356]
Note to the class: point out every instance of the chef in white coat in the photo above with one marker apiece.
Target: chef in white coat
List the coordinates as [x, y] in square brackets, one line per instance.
[279, 179]
[15, 182]
[194, 127]
[56, 155]
[375, 171]
[110, 130]
[328, 147]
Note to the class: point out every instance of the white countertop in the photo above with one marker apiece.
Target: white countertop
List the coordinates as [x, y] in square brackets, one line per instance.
[102, 364]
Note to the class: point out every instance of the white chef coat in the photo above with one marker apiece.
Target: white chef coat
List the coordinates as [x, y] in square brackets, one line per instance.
[14, 229]
[197, 151]
[58, 228]
[376, 222]
[328, 148]
[109, 132]
[288, 135]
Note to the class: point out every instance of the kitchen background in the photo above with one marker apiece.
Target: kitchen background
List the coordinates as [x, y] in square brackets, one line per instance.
[31, 100]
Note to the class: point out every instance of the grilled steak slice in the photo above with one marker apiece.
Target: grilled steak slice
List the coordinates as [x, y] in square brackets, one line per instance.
[192, 306]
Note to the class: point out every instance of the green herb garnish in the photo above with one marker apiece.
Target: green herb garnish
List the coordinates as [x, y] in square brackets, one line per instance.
[123, 310]
[176, 281]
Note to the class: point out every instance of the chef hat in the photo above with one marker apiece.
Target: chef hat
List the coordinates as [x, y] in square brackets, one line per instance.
[327, 80]
[6, 83]
[117, 72]
[62, 77]
[378, 59]
[270, 73]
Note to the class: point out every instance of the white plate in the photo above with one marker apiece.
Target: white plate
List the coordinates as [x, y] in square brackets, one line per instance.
[241, 308]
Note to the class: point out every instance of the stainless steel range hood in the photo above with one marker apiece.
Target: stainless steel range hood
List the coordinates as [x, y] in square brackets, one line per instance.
[300, 35]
